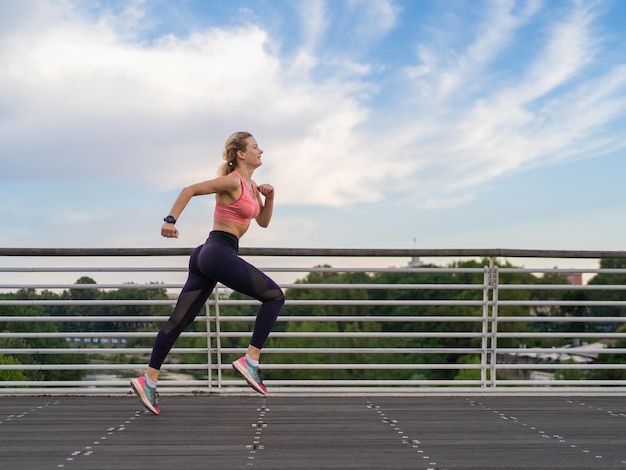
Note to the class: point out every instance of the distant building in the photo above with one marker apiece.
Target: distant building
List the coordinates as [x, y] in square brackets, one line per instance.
[415, 262]
[577, 354]
[575, 279]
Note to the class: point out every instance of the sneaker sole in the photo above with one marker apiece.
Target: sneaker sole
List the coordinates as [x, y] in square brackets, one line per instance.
[244, 373]
[142, 397]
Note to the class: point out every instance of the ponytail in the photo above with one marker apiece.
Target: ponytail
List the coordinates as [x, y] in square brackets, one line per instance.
[235, 143]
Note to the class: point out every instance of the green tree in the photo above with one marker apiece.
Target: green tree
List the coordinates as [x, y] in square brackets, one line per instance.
[611, 358]
[609, 294]
[11, 375]
[36, 343]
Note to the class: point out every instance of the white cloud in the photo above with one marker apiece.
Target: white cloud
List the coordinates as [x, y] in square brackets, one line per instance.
[375, 18]
[488, 122]
[104, 107]
[313, 18]
[84, 97]
[568, 50]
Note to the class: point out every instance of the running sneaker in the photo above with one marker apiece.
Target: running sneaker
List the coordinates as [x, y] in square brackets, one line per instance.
[147, 395]
[251, 373]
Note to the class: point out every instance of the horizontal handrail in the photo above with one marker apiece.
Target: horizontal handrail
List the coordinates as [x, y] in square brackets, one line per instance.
[324, 252]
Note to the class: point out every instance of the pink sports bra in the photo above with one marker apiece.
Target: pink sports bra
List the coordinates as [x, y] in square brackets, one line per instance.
[242, 210]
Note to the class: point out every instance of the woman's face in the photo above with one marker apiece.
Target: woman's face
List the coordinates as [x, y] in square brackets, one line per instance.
[252, 155]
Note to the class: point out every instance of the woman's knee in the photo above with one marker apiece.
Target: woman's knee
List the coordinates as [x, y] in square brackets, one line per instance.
[275, 295]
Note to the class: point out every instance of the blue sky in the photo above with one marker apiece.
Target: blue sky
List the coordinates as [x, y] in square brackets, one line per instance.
[385, 124]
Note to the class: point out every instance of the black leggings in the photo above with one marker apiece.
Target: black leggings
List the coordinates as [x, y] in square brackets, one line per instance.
[217, 261]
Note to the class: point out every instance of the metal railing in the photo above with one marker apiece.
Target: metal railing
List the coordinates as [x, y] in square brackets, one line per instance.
[456, 328]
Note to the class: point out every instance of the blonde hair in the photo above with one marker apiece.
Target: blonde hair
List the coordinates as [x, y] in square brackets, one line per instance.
[236, 142]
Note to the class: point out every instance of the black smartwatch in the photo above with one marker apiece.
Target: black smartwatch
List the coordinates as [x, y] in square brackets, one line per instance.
[169, 219]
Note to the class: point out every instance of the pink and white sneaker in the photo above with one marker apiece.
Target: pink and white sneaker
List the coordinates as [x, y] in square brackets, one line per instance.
[147, 395]
[251, 373]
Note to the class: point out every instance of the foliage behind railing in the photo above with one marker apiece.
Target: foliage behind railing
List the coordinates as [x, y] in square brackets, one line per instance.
[476, 325]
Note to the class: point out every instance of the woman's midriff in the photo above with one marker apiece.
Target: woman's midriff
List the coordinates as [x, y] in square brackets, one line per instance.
[236, 229]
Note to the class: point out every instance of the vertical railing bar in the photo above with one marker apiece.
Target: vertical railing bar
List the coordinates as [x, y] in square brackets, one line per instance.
[208, 344]
[218, 337]
[485, 329]
[494, 323]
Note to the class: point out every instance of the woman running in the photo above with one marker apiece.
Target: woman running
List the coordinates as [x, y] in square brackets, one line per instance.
[238, 200]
